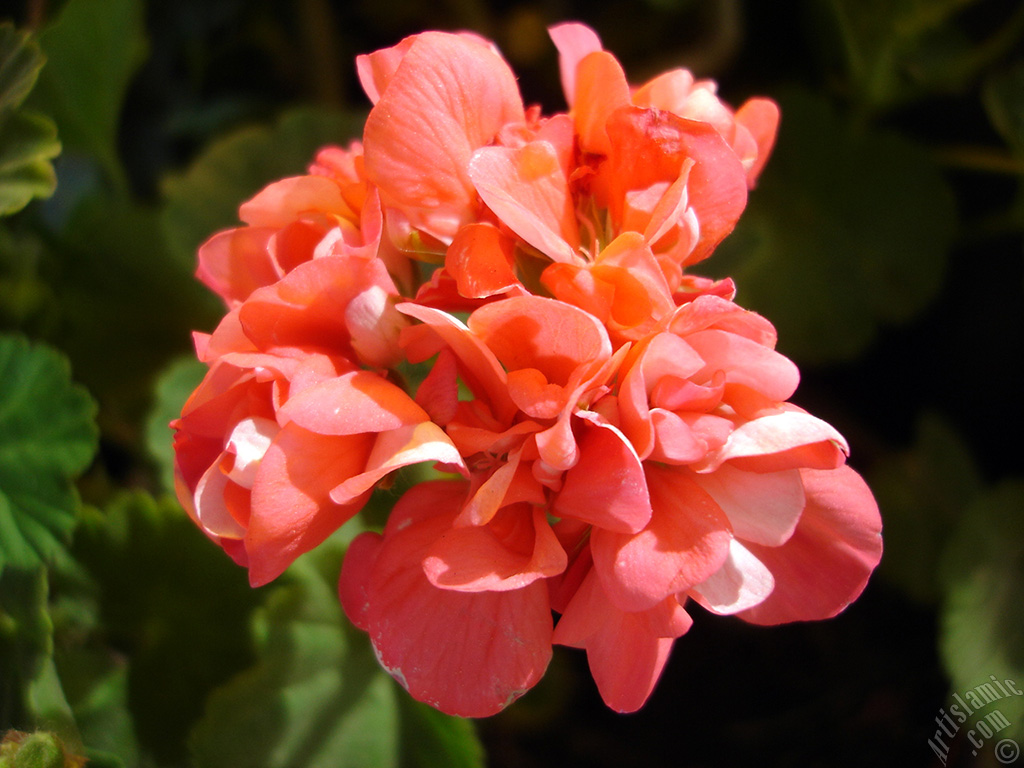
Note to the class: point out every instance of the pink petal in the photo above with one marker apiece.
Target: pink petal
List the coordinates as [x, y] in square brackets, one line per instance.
[716, 185]
[606, 487]
[826, 563]
[528, 190]
[626, 651]
[284, 201]
[762, 508]
[685, 542]
[397, 448]
[210, 510]
[235, 263]
[761, 118]
[448, 97]
[467, 654]
[537, 332]
[480, 369]
[376, 69]
[291, 507]
[516, 548]
[354, 583]
[746, 362]
[573, 41]
[358, 401]
[743, 581]
[601, 89]
[480, 260]
[788, 440]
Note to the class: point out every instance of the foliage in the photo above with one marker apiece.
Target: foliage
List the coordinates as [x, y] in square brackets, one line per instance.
[884, 241]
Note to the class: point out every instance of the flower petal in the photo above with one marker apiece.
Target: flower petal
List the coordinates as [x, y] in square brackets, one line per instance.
[357, 401]
[791, 439]
[516, 548]
[606, 487]
[527, 189]
[826, 563]
[743, 581]
[626, 651]
[685, 542]
[449, 96]
[465, 653]
[762, 508]
[573, 41]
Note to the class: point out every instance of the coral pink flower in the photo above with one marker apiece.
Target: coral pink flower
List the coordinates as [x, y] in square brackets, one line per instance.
[330, 210]
[749, 497]
[438, 97]
[286, 437]
[618, 434]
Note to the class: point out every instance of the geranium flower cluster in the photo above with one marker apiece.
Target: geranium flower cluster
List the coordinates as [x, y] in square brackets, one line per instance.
[612, 435]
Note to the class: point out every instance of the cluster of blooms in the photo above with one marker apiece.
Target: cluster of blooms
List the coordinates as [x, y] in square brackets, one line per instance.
[612, 434]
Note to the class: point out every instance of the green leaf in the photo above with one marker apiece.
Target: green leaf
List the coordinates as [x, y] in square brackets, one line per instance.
[93, 49]
[27, 144]
[30, 691]
[173, 387]
[432, 739]
[205, 198]
[26, 300]
[982, 621]
[1003, 96]
[47, 437]
[126, 306]
[170, 602]
[27, 140]
[848, 230]
[20, 62]
[922, 494]
[894, 51]
[316, 699]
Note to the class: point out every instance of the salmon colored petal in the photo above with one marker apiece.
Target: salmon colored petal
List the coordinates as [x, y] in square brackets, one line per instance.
[376, 69]
[528, 190]
[235, 263]
[742, 582]
[685, 542]
[826, 563]
[397, 448]
[323, 303]
[467, 654]
[652, 146]
[668, 91]
[481, 261]
[573, 41]
[480, 369]
[358, 401]
[761, 118]
[516, 548]
[284, 201]
[762, 508]
[606, 487]
[674, 439]
[626, 658]
[601, 89]
[746, 362]
[292, 511]
[490, 496]
[788, 440]
[537, 332]
[354, 583]
[448, 97]
[438, 393]
[211, 511]
[710, 311]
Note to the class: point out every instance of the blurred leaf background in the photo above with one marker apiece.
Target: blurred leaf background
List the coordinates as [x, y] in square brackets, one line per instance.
[885, 240]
